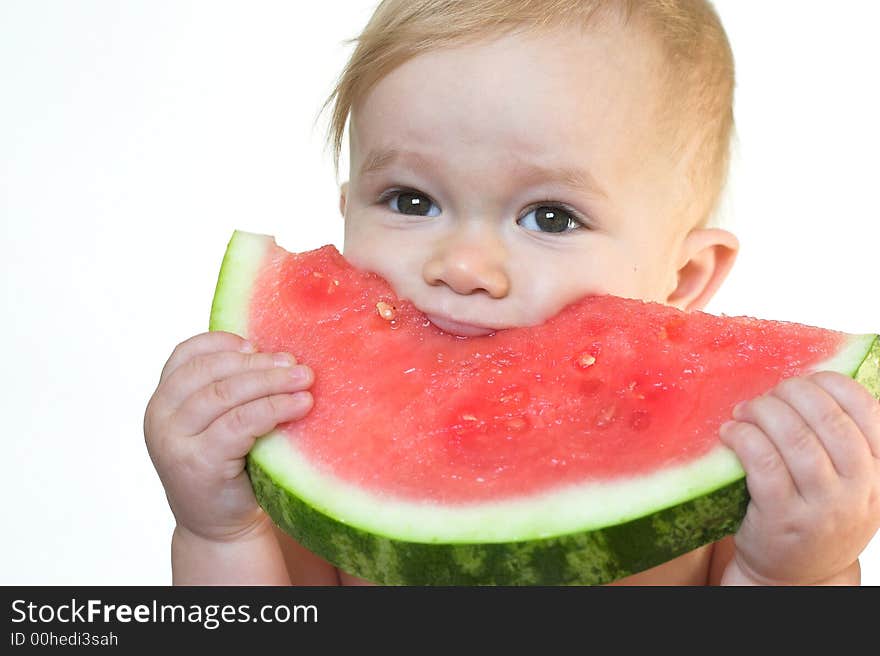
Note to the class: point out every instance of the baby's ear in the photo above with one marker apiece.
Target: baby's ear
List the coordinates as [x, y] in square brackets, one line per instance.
[343, 192]
[707, 255]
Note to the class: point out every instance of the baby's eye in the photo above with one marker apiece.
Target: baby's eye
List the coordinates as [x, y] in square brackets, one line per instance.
[411, 202]
[550, 218]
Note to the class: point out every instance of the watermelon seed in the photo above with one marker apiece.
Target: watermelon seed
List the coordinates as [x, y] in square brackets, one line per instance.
[512, 395]
[590, 386]
[585, 360]
[517, 424]
[468, 418]
[674, 329]
[410, 370]
[385, 310]
[639, 420]
[631, 387]
[605, 416]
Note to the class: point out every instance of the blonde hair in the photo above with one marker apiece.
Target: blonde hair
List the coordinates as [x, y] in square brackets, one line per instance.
[699, 72]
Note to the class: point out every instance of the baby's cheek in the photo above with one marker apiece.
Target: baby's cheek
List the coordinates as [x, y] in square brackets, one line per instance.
[632, 279]
[370, 250]
[623, 266]
[651, 280]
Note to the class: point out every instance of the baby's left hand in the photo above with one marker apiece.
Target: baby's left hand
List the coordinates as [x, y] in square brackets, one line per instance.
[810, 448]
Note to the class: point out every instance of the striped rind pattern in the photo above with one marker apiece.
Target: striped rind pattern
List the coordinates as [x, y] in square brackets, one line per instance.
[584, 558]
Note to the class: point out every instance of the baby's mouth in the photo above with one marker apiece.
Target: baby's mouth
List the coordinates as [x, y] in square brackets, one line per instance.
[460, 328]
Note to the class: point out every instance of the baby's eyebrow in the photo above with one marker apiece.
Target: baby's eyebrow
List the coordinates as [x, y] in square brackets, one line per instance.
[380, 159]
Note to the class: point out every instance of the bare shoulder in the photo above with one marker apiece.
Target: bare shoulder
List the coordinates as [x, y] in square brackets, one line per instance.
[303, 566]
[721, 556]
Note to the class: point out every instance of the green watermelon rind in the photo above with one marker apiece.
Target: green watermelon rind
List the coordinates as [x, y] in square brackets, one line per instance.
[409, 555]
[868, 371]
[582, 558]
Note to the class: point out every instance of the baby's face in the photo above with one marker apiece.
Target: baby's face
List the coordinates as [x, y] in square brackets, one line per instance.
[494, 184]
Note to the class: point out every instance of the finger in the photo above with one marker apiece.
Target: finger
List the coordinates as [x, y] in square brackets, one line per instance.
[203, 370]
[218, 397]
[767, 478]
[846, 449]
[797, 443]
[233, 434]
[202, 344]
[857, 402]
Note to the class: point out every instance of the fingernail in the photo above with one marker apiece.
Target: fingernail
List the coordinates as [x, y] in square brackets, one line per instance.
[282, 360]
[726, 426]
[738, 408]
[302, 398]
[247, 347]
[299, 373]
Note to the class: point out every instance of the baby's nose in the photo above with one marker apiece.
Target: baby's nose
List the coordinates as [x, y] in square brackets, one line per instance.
[468, 264]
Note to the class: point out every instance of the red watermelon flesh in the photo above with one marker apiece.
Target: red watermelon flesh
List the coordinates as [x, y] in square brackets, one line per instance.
[608, 388]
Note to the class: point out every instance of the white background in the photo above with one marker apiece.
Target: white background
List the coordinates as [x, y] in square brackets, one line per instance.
[135, 136]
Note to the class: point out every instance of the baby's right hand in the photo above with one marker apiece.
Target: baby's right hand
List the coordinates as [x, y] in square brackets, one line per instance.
[215, 397]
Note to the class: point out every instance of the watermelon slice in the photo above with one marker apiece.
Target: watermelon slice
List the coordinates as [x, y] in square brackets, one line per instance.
[578, 451]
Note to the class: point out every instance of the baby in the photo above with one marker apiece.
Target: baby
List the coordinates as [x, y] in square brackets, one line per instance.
[509, 157]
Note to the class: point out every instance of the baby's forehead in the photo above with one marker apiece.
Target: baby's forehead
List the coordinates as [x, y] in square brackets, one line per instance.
[520, 93]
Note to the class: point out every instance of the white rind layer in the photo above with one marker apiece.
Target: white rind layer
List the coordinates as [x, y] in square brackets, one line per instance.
[571, 509]
[239, 270]
[850, 357]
